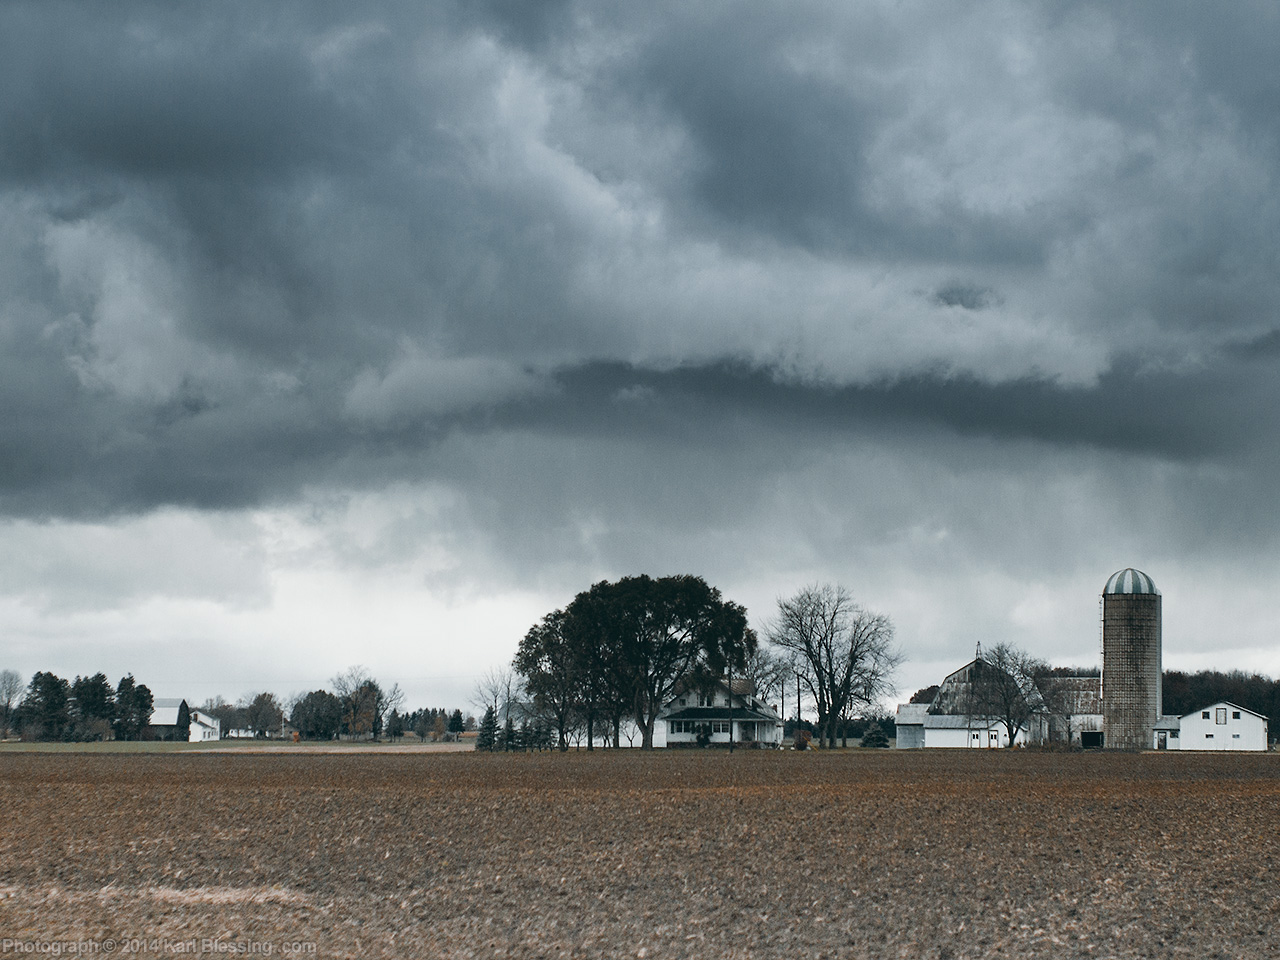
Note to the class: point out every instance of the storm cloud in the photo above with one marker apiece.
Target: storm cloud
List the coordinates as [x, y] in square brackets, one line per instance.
[766, 292]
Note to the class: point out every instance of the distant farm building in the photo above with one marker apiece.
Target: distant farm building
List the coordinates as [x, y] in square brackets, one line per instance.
[953, 718]
[172, 719]
[169, 719]
[1220, 726]
[1119, 710]
[204, 727]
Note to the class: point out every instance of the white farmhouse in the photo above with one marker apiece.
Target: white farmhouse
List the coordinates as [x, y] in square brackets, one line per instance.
[203, 727]
[712, 713]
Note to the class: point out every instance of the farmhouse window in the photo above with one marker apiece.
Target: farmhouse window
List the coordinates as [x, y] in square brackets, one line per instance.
[1208, 736]
[1220, 715]
[1204, 715]
[1235, 736]
[1173, 734]
[1235, 714]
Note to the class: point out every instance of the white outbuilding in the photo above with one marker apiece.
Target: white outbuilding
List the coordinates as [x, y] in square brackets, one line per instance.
[1219, 726]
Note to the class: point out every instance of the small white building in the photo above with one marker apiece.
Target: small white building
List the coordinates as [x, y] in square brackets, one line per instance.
[1219, 726]
[203, 727]
[712, 714]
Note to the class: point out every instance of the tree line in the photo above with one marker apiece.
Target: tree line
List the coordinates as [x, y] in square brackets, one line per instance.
[88, 708]
[620, 651]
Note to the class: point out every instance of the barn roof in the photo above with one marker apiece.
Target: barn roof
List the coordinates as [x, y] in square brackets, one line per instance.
[1078, 696]
[912, 713]
[1230, 705]
[164, 711]
[949, 721]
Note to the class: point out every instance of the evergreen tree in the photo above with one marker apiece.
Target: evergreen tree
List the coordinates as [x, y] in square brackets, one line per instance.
[488, 731]
[44, 708]
[874, 736]
[134, 705]
[395, 725]
[456, 723]
[93, 706]
[526, 736]
[509, 735]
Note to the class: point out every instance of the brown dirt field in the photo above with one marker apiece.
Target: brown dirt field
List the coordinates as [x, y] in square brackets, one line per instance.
[758, 855]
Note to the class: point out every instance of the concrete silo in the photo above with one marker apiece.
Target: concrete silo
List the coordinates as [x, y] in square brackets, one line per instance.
[1131, 660]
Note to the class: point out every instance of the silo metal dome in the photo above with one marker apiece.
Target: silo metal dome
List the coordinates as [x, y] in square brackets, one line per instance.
[1130, 580]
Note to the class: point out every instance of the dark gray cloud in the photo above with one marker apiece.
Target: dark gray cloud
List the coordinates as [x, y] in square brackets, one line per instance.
[245, 252]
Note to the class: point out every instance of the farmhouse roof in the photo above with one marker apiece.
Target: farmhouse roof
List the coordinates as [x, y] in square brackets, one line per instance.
[719, 713]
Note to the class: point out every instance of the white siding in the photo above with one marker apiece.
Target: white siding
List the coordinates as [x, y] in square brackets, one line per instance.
[1227, 727]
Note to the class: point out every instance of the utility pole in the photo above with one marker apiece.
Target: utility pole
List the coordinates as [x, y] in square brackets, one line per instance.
[731, 707]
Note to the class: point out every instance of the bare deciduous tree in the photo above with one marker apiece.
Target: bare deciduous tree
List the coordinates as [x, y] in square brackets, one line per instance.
[843, 653]
[11, 687]
[768, 673]
[493, 689]
[1003, 688]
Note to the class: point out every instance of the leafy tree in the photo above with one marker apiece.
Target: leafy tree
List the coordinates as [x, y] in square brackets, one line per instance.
[134, 705]
[488, 735]
[658, 633]
[550, 662]
[10, 690]
[263, 714]
[44, 708]
[843, 653]
[439, 727]
[317, 716]
[874, 736]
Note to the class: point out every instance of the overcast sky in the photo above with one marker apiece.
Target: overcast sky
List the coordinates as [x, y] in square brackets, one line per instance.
[339, 334]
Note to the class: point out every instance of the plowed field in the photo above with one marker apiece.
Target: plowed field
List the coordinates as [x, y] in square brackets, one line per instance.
[619, 854]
